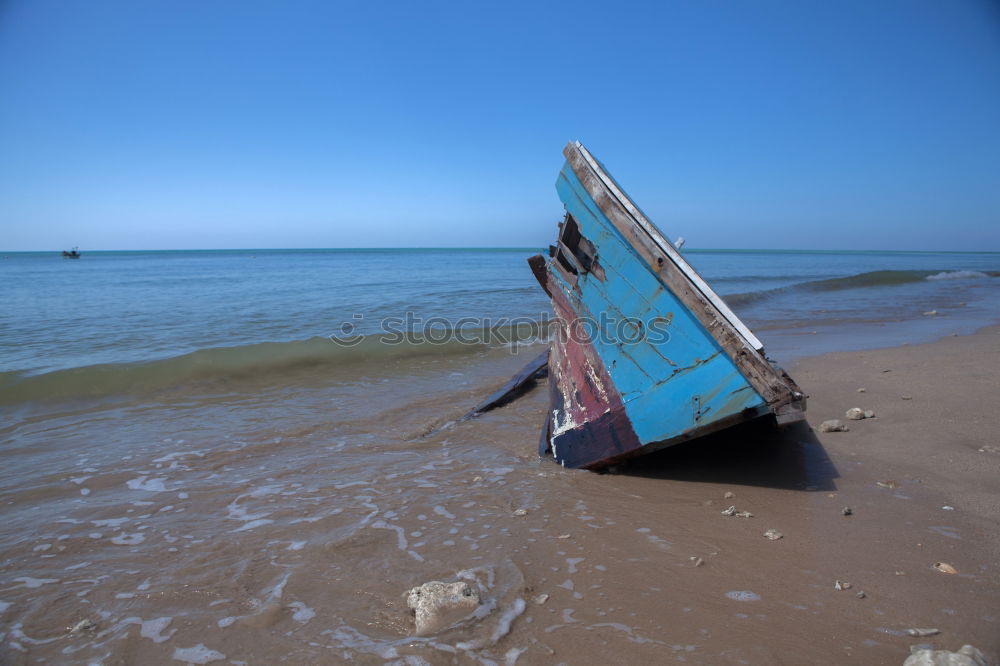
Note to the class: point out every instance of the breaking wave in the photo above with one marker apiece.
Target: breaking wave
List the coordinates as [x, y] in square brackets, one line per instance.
[222, 368]
[957, 275]
[869, 279]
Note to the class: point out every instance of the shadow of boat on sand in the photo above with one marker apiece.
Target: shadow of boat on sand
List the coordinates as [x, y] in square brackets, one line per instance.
[752, 454]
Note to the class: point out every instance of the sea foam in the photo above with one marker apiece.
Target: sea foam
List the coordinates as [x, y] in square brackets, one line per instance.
[957, 275]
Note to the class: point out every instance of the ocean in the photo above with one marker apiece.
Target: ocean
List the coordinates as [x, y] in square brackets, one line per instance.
[163, 318]
[250, 455]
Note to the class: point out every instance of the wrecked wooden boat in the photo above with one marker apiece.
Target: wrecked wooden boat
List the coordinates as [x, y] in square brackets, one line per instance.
[646, 354]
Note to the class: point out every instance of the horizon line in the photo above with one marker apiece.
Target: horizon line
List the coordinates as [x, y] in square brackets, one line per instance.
[477, 247]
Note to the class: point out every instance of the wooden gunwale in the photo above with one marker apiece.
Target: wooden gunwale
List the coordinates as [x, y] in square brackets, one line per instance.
[730, 333]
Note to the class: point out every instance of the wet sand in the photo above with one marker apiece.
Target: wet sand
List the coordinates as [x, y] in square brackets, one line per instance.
[302, 550]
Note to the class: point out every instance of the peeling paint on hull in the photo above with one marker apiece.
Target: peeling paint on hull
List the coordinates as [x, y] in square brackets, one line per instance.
[617, 396]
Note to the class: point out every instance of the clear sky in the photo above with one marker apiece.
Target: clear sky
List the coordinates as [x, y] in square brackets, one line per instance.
[746, 124]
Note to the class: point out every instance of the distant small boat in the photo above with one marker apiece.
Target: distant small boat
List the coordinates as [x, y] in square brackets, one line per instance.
[71, 254]
[648, 356]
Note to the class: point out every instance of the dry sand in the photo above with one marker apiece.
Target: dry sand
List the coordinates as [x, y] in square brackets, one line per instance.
[666, 576]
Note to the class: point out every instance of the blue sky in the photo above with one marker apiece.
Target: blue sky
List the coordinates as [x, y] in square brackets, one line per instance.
[850, 124]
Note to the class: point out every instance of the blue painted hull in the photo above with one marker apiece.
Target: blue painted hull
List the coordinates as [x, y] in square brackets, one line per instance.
[635, 367]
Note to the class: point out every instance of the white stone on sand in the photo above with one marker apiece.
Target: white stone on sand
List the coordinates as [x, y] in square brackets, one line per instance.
[833, 425]
[438, 605]
[967, 655]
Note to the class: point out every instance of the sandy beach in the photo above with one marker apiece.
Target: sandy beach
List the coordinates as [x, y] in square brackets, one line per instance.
[289, 545]
[663, 574]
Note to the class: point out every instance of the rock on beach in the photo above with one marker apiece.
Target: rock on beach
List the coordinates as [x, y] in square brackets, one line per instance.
[438, 605]
[967, 655]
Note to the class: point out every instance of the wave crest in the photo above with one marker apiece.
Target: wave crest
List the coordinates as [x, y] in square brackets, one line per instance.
[886, 278]
[957, 275]
[219, 368]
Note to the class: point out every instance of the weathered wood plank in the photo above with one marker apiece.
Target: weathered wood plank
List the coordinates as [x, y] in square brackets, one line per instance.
[790, 413]
[538, 269]
[544, 445]
[515, 386]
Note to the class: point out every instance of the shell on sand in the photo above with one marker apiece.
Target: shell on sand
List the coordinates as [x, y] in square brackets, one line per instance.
[944, 567]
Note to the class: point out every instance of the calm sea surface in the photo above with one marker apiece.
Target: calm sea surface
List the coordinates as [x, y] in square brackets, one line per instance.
[192, 466]
[135, 307]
